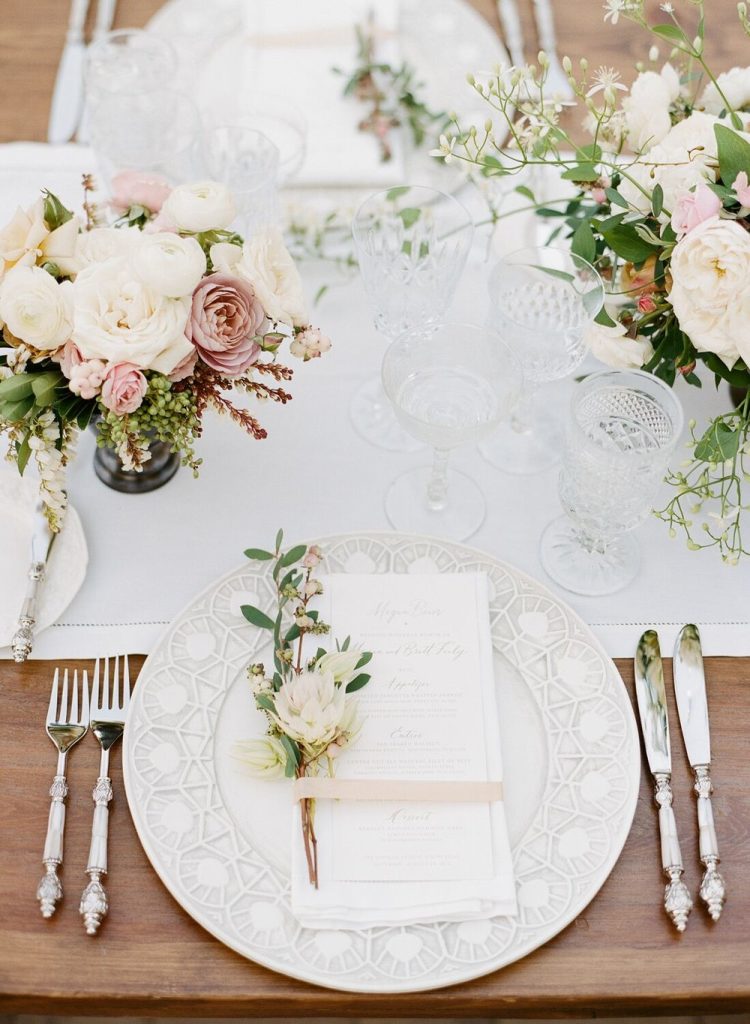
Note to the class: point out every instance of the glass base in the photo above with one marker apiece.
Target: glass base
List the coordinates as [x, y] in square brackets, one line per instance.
[374, 420]
[524, 452]
[407, 509]
[583, 570]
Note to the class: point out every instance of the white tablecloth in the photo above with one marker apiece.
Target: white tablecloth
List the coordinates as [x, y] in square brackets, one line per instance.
[149, 554]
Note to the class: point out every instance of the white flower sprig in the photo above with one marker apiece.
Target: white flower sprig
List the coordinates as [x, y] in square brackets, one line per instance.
[312, 716]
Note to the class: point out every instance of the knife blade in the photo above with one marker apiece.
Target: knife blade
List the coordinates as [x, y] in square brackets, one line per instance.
[692, 705]
[42, 539]
[67, 98]
[652, 707]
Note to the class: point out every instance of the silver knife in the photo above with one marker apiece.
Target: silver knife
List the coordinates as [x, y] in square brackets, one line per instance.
[42, 539]
[67, 99]
[692, 705]
[652, 708]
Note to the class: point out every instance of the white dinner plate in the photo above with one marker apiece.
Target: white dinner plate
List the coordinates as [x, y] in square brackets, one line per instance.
[442, 40]
[221, 846]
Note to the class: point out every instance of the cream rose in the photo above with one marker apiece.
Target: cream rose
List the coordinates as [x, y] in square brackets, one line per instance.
[735, 84]
[268, 266]
[101, 244]
[35, 307]
[612, 346]
[26, 240]
[202, 206]
[225, 256]
[710, 291]
[647, 107]
[169, 264]
[121, 319]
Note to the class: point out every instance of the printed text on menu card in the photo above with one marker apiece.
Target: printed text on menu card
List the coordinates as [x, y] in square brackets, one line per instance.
[422, 718]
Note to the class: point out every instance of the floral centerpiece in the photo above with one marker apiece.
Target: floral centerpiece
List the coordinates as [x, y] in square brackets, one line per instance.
[307, 699]
[141, 324]
[659, 201]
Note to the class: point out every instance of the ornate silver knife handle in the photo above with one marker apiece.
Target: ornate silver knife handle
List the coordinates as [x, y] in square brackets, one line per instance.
[713, 888]
[49, 891]
[94, 902]
[23, 638]
[677, 899]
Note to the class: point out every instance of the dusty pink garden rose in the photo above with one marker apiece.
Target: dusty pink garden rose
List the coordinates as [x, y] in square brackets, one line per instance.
[68, 356]
[123, 388]
[138, 188]
[741, 188]
[184, 368]
[693, 208]
[224, 319]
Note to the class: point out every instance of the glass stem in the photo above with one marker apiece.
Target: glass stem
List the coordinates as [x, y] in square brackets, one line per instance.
[522, 419]
[437, 485]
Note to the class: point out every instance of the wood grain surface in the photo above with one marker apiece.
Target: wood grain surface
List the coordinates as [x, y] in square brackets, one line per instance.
[620, 956]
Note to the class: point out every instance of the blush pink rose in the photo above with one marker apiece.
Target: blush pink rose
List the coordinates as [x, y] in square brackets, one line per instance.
[139, 188]
[123, 388]
[742, 188]
[693, 208]
[68, 356]
[225, 317]
[184, 368]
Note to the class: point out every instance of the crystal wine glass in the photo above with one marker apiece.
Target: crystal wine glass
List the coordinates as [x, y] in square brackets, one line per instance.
[450, 384]
[283, 123]
[622, 429]
[412, 243]
[542, 299]
[248, 162]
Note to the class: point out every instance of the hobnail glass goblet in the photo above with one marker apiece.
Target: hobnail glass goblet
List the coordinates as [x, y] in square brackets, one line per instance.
[542, 300]
[450, 384]
[412, 243]
[248, 162]
[622, 429]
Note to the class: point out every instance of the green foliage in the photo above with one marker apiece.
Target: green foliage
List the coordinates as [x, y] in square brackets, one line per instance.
[55, 214]
[720, 442]
[734, 154]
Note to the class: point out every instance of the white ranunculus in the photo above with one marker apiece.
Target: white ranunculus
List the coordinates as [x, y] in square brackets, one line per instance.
[342, 664]
[101, 244]
[710, 291]
[202, 206]
[735, 85]
[264, 758]
[225, 256]
[35, 307]
[169, 264]
[646, 109]
[614, 348]
[684, 158]
[270, 269]
[121, 319]
[310, 708]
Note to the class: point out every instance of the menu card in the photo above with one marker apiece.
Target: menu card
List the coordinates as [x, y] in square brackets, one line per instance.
[428, 714]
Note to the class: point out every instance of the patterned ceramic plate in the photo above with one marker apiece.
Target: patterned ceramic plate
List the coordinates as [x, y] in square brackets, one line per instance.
[216, 839]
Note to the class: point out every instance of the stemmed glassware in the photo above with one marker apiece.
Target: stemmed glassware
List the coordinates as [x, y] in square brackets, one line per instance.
[622, 429]
[284, 124]
[412, 243]
[248, 162]
[450, 384]
[542, 300]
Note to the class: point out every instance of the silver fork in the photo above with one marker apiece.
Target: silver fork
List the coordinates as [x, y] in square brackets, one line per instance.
[109, 712]
[66, 725]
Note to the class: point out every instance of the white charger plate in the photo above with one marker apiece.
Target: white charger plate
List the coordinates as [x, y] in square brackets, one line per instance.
[220, 845]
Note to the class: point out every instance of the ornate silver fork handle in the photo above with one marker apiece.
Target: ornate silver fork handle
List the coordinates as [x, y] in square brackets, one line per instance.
[23, 638]
[94, 901]
[677, 899]
[49, 891]
[713, 888]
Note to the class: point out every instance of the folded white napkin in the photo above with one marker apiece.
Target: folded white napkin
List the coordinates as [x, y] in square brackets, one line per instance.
[289, 49]
[361, 904]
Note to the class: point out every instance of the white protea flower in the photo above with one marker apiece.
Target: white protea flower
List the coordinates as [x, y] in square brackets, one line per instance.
[311, 709]
[342, 664]
[265, 758]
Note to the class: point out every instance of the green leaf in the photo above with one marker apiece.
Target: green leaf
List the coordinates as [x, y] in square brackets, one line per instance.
[524, 190]
[734, 153]
[603, 318]
[657, 199]
[293, 756]
[395, 193]
[409, 215]
[264, 702]
[719, 443]
[364, 660]
[17, 387]
[583, 243]
[258, 554]
[55, 214]
[293, 555]
[14, 412]
[581, 172]
[279, 539]
[357, 683]
[670, 32]
[256, 617]
[626, 242]
[22, 455]
[84, 417]
[739, 375]
[293, 633]
[615, 198]
[44, 385]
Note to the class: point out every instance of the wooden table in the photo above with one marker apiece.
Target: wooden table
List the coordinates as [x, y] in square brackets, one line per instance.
[620, 956]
